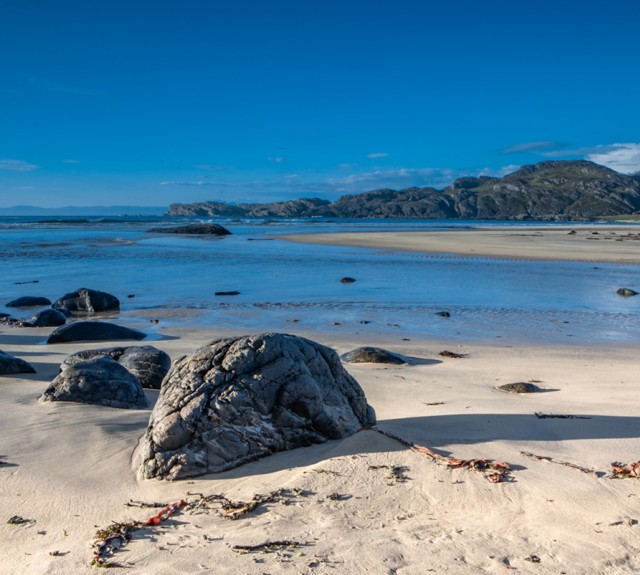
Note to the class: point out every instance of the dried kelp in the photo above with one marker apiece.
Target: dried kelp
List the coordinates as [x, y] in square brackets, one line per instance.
[144, 504]
[559, 416]
[497, 471]
[622, 470]
[451, 354]
[231, 509]
[111, 539]
[396, 473]
[548, 459]
[268, 546]
[17, 520]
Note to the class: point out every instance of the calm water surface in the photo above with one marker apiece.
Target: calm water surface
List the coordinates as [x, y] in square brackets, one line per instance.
[284, 285]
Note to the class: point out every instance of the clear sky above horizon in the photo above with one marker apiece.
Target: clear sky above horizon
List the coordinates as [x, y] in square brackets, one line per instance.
[153, 102]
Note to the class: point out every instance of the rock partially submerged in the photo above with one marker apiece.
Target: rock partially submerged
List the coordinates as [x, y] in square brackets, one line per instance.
[147, 363]
[10, 365]
[99, 381]
[194, 229]
[242, 398]
[626, 292]
[94, 331]
[85, 300]
[28, 301]
[46, 318]
[372, 355]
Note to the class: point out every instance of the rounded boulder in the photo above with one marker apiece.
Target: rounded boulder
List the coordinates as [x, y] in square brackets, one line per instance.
[239, 399]
[99, 381]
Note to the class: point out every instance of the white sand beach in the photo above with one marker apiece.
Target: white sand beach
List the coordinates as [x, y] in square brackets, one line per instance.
[68, 470]
[584, 243]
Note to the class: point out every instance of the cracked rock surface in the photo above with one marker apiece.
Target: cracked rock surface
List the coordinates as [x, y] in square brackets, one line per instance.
[100, 381]
[147, 363]
[242, 398]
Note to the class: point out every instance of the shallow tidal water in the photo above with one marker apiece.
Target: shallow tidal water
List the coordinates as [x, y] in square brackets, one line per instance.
[287, 286]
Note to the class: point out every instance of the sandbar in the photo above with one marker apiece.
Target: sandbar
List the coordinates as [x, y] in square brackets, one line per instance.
[601, 243]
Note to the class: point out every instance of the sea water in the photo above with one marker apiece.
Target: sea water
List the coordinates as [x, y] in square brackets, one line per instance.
[288, 286]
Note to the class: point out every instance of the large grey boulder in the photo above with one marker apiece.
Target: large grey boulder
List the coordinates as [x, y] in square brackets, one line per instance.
[372, 355]
[85, 300]
[100, 381]
[147, 363]
[93, 331]
[10, 365]
[241, 398]
[46, 318]
[28, 301]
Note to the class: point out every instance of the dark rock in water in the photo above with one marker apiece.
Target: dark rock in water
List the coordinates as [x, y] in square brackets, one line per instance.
[626, 292]
[10, 365]
[28, 301]
[85, 300]
[372, 355]
[4, 315]
[348, 280]
[443, 314]
[148, 364]
[227, 293]
[46, 318]
[519, 387]
[93, 331]
[242, 398]
[100, 381]
[194, 229]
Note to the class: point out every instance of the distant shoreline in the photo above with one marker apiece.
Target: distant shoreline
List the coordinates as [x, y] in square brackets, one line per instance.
[615, 244]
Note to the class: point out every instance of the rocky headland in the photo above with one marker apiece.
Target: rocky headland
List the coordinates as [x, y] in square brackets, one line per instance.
[547, 191]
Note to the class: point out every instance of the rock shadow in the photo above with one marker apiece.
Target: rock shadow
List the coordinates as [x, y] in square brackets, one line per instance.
[437, 430]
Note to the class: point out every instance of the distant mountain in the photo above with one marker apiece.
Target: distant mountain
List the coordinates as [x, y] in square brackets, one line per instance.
[84, 211]
[550, 191]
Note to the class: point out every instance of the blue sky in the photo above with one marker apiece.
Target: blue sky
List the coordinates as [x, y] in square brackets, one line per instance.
[153, 102]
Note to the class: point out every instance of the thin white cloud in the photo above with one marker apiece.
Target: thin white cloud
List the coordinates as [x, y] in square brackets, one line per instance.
[500, 172]
[276, 160]
[407, 177]
[375, 155]
[538, 146]
[70, 161]
[291, 186]
[17, 166]
[623, 158]
[194, 183]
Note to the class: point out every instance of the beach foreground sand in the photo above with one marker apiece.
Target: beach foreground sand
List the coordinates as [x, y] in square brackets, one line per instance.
[366, 504]
[583, 243]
